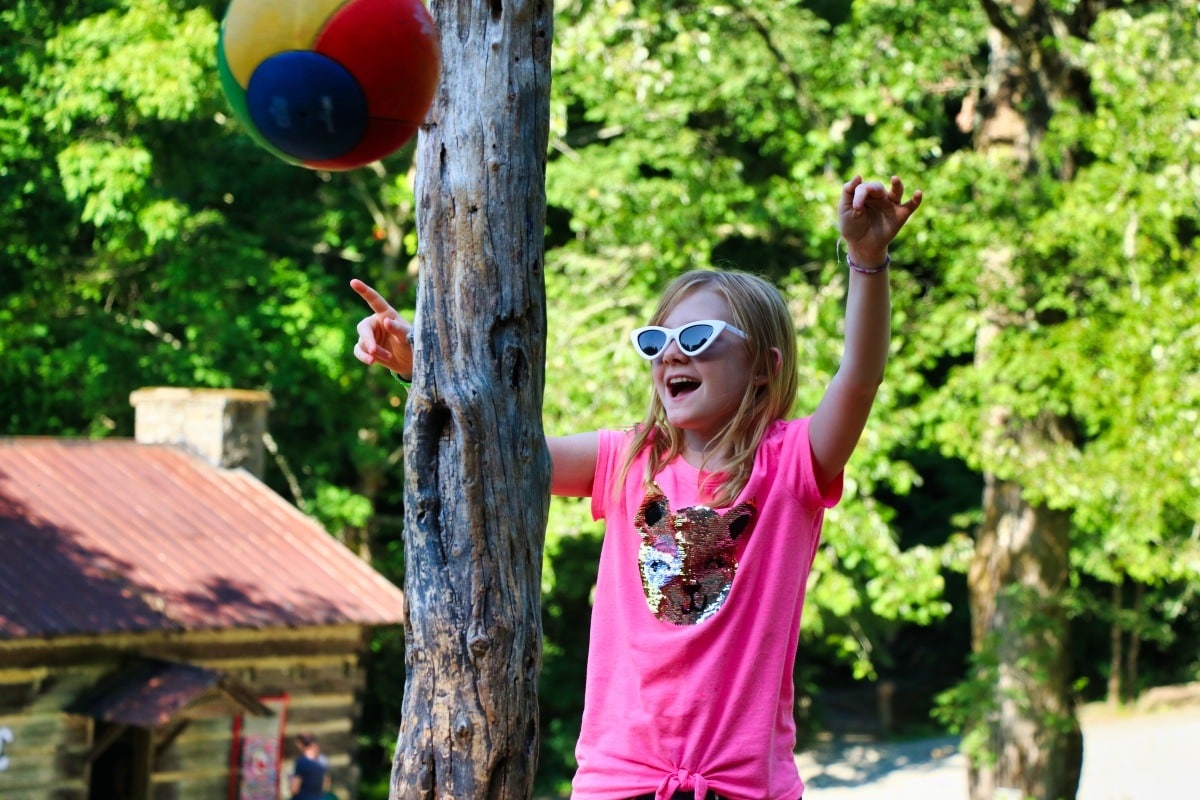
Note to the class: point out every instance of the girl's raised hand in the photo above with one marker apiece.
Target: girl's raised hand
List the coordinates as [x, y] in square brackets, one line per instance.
[870, 215]
[382, 336]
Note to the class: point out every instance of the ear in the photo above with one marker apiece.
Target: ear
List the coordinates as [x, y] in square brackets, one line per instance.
[654, 507]
[776, 363]
[738, 518]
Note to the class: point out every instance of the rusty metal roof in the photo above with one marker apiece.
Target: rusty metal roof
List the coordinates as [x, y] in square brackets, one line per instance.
[150, 693]
[106, 536]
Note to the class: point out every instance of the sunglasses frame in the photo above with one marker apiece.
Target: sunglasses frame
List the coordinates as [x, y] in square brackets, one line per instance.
[672, 334]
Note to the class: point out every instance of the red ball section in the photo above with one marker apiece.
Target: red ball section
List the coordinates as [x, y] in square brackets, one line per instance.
[390, 46]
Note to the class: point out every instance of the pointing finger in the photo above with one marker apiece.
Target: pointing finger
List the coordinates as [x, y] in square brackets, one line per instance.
[374, 299]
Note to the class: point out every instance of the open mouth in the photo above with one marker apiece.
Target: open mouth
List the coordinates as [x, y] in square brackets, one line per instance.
[678, 387]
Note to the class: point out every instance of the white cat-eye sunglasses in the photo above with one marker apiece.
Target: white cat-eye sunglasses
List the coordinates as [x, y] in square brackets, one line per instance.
[693, 338]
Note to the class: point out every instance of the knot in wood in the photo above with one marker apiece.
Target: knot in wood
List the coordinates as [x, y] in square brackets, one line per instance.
[463, 730]
[425, 776]
[479, 643]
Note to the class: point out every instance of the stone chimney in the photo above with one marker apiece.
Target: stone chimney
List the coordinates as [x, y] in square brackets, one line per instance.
[223, 426]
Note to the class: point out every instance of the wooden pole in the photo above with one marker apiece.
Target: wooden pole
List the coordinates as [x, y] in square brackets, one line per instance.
[476, 466]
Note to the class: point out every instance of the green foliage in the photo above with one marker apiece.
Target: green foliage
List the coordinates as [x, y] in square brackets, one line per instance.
[961, 707]
[690, 134]
[145, 239]
[340, 508]
[1108, 278]
[569, 576]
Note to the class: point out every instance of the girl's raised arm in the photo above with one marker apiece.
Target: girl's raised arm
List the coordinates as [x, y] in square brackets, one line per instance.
[869, 217]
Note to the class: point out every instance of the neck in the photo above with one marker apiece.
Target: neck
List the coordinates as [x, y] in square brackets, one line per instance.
[695, 452]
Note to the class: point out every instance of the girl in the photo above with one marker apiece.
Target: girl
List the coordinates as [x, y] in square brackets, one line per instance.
[713, 509]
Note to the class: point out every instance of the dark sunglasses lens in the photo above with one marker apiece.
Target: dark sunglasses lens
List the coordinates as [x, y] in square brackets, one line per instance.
[651, 342]
[694, 337]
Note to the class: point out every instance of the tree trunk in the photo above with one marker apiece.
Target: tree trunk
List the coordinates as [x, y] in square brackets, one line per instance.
[1115, 637]
[1130, 681]
[1021, 565]
[1016, 580]
[476, 466]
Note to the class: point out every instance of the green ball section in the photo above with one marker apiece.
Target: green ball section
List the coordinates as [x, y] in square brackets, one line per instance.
[236, 96]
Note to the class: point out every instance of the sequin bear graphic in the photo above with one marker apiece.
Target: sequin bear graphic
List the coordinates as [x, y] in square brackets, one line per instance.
[688, 557]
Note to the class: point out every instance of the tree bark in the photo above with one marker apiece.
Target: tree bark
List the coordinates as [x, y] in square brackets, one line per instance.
[477, 469]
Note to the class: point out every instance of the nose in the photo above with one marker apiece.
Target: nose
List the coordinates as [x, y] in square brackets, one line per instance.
[672, 352]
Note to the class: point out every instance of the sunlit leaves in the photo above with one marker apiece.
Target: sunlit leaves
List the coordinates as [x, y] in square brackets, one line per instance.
[108, 179]
[140, 60]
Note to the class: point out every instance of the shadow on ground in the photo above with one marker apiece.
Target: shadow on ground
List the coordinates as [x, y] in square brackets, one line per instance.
[846, 762]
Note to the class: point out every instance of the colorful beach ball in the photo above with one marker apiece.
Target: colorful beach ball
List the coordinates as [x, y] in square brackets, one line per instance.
[329, 84]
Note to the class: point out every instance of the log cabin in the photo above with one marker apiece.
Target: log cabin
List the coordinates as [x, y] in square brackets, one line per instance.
[168, 623]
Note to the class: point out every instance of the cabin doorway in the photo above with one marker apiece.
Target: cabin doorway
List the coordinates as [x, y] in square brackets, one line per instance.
[121, 769]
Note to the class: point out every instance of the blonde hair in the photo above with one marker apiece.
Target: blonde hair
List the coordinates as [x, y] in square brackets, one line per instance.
[758, 309]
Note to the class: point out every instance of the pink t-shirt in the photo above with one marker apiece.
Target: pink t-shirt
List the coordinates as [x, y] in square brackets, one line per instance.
[695, 625]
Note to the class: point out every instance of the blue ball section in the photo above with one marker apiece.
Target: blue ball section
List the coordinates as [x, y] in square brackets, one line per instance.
[307, 105]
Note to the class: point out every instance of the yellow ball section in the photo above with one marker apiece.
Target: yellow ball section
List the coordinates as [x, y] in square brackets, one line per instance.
[255, 30]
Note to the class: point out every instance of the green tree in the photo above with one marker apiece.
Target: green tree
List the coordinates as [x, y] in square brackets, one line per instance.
[1055, 145]
[1061, 398]
[146, 240]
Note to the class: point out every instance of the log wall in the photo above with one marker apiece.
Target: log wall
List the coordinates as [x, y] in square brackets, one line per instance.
[44, 751]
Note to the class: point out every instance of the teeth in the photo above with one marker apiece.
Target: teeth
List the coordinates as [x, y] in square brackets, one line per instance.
[679, 384]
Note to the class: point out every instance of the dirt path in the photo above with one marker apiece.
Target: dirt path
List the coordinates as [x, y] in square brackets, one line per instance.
[1148, 756]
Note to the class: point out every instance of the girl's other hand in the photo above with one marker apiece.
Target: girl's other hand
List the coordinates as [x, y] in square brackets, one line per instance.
[870, 215]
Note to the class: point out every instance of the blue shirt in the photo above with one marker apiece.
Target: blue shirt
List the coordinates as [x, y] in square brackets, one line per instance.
[311, 773]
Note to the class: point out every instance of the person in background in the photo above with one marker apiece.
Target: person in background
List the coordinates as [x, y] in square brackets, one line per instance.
[310, 773]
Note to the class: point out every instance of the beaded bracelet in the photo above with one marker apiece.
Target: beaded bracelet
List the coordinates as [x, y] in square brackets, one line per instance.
[405, 382]
[887, 262]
